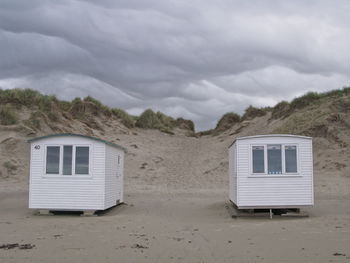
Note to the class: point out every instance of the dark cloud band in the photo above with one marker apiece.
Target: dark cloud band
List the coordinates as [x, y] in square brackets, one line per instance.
[196, 59]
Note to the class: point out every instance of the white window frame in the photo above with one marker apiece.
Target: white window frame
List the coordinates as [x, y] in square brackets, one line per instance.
[45, 160]
[251, 159]
[73, 175]
[61, 156]
[284, 158]
[265, 174]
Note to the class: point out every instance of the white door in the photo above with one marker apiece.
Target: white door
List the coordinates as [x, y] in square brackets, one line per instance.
[118, 178]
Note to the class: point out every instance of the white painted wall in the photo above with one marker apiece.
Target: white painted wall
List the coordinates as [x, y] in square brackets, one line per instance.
[268, 191]
[233, 173]
[114, 176]
[71, 192]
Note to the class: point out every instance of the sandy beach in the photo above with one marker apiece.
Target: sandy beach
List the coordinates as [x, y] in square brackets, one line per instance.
[175, 210]
[175, 227]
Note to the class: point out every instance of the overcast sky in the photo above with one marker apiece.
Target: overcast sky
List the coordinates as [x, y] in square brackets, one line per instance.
[192, 58]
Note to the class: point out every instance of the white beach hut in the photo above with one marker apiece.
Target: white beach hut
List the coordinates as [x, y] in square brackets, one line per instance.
[76, 173]
[271, 172]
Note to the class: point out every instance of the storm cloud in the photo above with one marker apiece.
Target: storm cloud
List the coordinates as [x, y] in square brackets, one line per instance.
[194, 59]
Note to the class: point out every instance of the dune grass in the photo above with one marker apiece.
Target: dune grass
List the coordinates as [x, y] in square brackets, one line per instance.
[126, 119]
[151, 120]
[285, 109]
[253, 112]
[34, 121]
[282, 109]
[13, 99]
[227, 121]
[80, 109]
[98, 106]
[185, 124]
[7, 115]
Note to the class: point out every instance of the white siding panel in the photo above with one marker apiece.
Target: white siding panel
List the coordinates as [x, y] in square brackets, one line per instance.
[265, 191]
[114, 173]
[121, 176]
[111, 180]
[67, 192]
[233, 174]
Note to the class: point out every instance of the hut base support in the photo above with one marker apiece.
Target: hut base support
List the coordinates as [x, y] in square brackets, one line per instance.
[88, 213]
[235, 212]
[45, 212]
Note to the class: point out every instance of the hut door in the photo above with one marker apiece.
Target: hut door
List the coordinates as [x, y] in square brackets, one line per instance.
[118, 178]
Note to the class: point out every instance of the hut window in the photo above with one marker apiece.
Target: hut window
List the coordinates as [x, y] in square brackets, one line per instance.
[291, 159]
[274, 159]
[82, 160]
[67, 159]
[258, 159]
[53, 160]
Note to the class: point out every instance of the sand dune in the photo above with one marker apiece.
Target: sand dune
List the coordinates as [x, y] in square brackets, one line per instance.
[176, 189]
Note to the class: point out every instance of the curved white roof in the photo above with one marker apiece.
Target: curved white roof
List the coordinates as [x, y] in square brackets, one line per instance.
[76, 135]
[270, 135]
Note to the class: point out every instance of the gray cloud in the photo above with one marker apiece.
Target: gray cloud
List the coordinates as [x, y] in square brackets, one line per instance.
[196, 59]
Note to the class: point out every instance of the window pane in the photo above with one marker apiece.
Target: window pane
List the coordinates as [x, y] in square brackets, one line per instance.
[53, 160]
[258, 159]
[291, 159]
[274, 159]
[82, 160]
[67, 160]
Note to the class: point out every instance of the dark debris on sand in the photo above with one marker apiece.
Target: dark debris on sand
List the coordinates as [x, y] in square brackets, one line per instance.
[16, 245]
[139, 246]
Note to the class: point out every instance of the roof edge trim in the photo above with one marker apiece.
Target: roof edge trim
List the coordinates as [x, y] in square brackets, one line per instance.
[76, 135]
[269, 135]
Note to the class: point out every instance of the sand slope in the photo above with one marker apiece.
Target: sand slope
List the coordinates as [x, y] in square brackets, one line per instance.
[176, 192]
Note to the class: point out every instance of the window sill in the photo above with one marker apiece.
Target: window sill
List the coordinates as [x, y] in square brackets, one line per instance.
[74, 176]
[273, 175]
